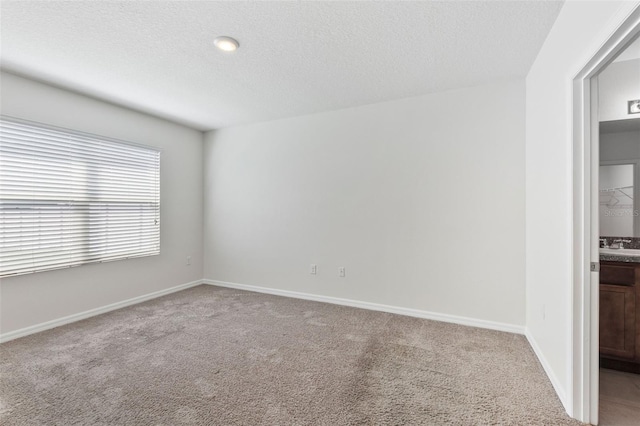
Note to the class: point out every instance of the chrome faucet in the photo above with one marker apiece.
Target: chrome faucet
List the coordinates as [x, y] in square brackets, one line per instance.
[619, 243]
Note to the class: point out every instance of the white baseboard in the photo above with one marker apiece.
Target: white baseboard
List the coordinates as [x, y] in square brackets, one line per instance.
[5, 337]
[472, 322]
[547, 369]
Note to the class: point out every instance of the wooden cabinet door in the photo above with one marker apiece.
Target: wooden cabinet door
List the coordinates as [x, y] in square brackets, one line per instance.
[617, 321]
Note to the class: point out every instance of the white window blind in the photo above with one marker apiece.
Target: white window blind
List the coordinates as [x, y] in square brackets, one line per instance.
[69, 198]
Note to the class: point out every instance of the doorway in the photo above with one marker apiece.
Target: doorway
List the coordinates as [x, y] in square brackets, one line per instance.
[587, 266]
[618, 140]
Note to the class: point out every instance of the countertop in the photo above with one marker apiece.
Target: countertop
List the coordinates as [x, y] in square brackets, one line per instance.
[615, 258]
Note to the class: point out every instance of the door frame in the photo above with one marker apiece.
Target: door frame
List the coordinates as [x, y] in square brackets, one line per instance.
[584, 359]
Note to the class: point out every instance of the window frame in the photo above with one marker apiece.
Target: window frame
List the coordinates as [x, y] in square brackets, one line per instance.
[85, 242]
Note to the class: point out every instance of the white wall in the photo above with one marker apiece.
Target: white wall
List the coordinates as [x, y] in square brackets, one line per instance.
[421, 199]
[580, 29]
[620, 145]
[32, 299]
[618, 84]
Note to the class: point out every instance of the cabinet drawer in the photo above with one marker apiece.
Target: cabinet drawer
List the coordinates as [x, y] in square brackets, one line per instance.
[618, 275]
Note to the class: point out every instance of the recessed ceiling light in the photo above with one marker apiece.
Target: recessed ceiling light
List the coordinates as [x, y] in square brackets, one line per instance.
[226, 44]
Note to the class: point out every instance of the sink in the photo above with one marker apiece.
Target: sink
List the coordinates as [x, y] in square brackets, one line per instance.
[620, 252]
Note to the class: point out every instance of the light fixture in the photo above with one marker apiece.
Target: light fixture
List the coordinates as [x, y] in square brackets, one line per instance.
[226, 44]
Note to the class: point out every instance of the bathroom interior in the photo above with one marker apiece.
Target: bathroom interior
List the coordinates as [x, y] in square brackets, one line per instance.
[619, 222]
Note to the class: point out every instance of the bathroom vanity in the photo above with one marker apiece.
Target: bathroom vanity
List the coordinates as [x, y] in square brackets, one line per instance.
[620, 313]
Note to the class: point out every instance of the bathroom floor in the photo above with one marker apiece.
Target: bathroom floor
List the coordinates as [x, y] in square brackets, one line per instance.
[619, 398]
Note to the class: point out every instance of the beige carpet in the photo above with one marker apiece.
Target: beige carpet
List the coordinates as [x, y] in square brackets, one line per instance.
[213, 356]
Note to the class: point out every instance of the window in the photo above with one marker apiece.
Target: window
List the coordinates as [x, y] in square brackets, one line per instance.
[69, 198]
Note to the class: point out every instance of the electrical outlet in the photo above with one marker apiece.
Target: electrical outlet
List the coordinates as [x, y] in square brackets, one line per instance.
[314, 269]
[188, 260]
[342, 271]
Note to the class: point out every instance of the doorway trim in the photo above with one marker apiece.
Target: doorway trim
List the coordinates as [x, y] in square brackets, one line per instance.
[585, 355]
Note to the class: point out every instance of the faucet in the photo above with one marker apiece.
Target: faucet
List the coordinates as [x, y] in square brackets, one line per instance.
[619, 243]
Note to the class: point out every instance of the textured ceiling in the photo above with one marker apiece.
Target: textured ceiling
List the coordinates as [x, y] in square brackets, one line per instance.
[295, 57]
